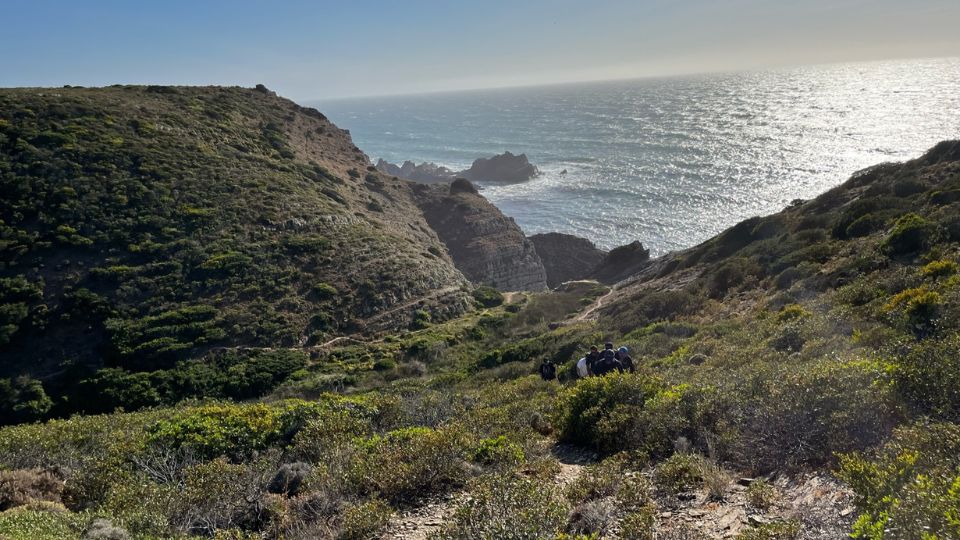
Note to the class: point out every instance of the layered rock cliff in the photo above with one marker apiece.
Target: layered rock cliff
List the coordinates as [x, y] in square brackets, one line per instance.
[488, 247]
[566, 257]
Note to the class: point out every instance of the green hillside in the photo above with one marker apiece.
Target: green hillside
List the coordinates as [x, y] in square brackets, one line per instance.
[143, 226]
[797, 374]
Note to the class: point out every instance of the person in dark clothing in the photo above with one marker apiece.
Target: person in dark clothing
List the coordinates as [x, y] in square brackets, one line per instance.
[607, 362]
[623, 355]
[592, 359]
[548, 371]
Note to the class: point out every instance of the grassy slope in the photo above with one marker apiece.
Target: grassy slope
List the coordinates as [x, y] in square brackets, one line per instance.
[788, 343]
[144, 225]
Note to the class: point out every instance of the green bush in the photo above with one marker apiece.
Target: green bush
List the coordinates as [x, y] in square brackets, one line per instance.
[597, 411]
[487, 296]
[410, 462]
[509, 507]
[910, 234]
[498, 451]
[222, 429]
[909, 488]
[795, 417]
[928, 377]
[680, 472]
[362, 521]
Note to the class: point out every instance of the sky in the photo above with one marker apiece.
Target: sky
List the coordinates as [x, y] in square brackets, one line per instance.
[316, 50]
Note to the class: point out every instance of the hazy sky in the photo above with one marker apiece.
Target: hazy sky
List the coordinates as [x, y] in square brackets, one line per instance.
[321, 49]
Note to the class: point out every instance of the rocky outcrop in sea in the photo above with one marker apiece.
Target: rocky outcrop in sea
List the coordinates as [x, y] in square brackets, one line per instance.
[505, 168]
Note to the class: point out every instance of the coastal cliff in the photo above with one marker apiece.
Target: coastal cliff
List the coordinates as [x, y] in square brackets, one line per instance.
[488, 247]
[566, 257]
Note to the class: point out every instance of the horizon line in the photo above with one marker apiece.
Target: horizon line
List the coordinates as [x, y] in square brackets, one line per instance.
[620, 79]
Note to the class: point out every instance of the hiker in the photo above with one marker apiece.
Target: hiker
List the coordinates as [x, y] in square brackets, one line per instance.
[592, 359]
[548, 371]
[582, 371]
[623, 355]
[607, 362]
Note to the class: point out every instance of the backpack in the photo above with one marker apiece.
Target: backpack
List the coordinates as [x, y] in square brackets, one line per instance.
[582, 368]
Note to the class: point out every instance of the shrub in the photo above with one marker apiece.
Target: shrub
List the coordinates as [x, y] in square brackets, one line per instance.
[104, 529]
[597, 410]
[362, 521]
[678, 473]
[509, 507]
[803, 416]
[220, 429]
[865, 225]
[920, 306]
[23, 486]
[596, 481]
[792, 312]
[761, 494]
[910, 234]
[410, 462]
[909, 488]
[928, 377]
[938, 269]
[421, 319]
[487, 296]
[780, 530]
[498, 451]
[594, 517]
[639, 524]
[730, 274]
[290, 478]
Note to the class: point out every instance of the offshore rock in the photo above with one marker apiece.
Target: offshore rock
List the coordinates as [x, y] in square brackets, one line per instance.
[505, 168]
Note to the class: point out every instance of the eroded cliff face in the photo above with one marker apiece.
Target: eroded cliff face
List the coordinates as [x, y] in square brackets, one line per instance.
[486, 246]
[566, 257]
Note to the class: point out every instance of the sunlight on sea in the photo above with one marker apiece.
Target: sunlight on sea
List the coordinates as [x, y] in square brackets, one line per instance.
[673, 161]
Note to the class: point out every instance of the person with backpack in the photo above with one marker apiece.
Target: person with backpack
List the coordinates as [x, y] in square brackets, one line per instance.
[582, 371]
[607, 362]
[623, 355]
[548, 371]
[592, 360]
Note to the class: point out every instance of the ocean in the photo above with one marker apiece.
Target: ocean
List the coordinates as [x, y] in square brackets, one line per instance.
[670, 161]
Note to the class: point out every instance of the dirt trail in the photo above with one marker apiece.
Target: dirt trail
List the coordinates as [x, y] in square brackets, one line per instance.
[584, 315]
[420, 522]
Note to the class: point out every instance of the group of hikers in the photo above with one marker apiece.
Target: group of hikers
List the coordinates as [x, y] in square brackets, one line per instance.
[595, 364]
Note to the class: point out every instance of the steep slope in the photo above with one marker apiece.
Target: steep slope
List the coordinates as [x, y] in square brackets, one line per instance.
[883, 220]
[566, 257]
[488, 247]
[143, 225]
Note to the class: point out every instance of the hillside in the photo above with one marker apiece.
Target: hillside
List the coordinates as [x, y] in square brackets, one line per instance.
[797, 379]
[144, 226]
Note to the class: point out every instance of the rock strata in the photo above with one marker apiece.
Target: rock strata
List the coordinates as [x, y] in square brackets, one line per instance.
[486, 246]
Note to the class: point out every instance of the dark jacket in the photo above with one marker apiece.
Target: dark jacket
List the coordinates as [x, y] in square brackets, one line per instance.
[592, 359]
[606, 365]
[548, 371]
[627, 362]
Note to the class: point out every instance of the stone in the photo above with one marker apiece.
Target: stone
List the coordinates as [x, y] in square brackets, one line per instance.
[566, 257]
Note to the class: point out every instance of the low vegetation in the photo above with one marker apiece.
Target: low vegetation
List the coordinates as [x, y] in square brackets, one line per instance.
[822, 338]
